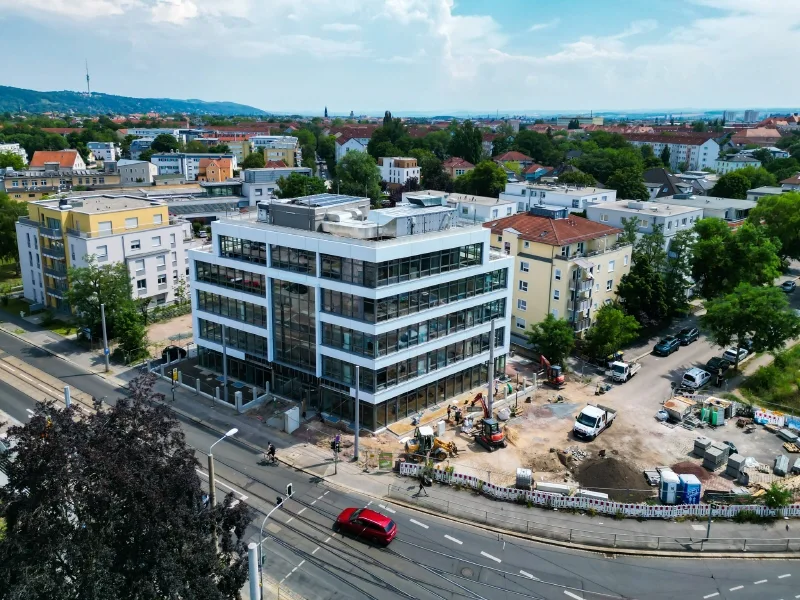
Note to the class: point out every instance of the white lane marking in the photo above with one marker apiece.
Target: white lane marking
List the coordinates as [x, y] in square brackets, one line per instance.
[46, 388]
[571, 595]
[295, 569]
[452, 539]
[487, 555]
[759, 582]
[415, 522]
[26, 377]
[320, 497]
[315, 550]
[529, 576]
[313, 503]
[387, 509]
[328, 540]
[711, 595]
[738, 587]
[301, 511]
[301, 564]
[30, 412]
[290, 520]
[368, 503]
[7, 368]
[243, 497]
[326, 493]
[784, 576]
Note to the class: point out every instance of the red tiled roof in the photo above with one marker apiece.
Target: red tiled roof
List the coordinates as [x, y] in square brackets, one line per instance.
[512, 155]
[223, 163]
[758, 132]
[454, 162]
[64, 158]
[555, 232]
[489, 137]
[535, 167]
[275, 164]
[692, 139]
[793, 180]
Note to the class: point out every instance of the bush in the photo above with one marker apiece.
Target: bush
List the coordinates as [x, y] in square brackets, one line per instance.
[48, 319]
[4, 300]
[749, 516]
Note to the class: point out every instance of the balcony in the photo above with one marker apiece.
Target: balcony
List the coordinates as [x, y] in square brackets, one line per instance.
[593, 252]
[54, 252]
[580, 306]
[580, 286]
[141, 292]
[122, 230]
[582, 325]
[162, 286]
[56, 273]
[57, 292]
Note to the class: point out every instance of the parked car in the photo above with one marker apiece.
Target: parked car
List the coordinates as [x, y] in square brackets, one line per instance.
[367, 524]
[788, 286]
[732, 446]
[667, 346]
[717, 363]
[203, 234]
[731, 354]
[695, 378]
[687, 335]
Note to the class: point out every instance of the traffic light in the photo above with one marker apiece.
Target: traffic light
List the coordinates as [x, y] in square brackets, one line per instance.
[289, 490]
[333, 445]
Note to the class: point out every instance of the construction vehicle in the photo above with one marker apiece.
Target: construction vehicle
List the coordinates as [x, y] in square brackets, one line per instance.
[553, 373]
[425, 443]
[592, 420]
[623, 371]
[490, 435]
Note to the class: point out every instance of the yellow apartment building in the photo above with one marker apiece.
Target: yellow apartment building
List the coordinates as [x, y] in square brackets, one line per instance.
[27, 186]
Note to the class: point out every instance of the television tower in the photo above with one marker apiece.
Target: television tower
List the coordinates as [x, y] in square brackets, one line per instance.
[88, 88]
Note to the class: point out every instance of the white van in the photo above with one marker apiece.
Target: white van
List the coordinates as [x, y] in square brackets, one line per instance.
[695, 378]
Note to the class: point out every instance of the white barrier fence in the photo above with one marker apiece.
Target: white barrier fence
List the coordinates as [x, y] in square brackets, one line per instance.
[609, 507]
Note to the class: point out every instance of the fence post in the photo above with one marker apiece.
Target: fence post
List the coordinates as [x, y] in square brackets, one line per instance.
[787, 543]
[615, 540]
[180, 377]
[216, 393]
[702, 544]
[570, 536]
[658, 543]
[197, 386]
[744, 548]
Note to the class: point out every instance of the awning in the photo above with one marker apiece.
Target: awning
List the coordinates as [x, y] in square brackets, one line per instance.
[583, 263]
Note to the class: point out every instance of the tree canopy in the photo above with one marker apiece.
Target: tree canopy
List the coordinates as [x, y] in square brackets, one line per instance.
[780, 216]
[629, 184]
[254, 160]
[11, 159]
[467, 142]
[165, 143]
[358, 175]
[612, 330]
[553, 337]
[576, 178]
[736, 183]
[10, 211]
[297, 185]
[431, 172]
[486, 179]
[109, 505]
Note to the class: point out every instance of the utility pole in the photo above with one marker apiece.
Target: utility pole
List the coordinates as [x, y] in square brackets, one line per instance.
[67, 398]
[252, 567]
[491, 371]
[261, 540]
[224, 366]
[105, 337]
[358, 416]
[708, 528]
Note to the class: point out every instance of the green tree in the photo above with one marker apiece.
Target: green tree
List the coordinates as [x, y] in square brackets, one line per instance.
[391, 139]
[165, 143]
[10, 211]
[629, 184]
[731, 185]
[501, 144]
[358, 175]
[554, 338]
[538, 146]
[643, 295]
[780, 216]
[649, 248]
[11, 159]
[93, 285]
[612, 330]
[109, 505]
[699, 126]
[574, 124]
[757, 176]
[777, 496]
[297, 185]
[651, 161]
[486, 179]
[677, 277]
[431, 172]
[131, 333]
[326, 148]
[218, 149]
[783, 168]
[467, 142]
[760, 314]
[514, 166]
[630, 229]
[144, 155]
[254, 160]
[576, 178]
[437, 142]
[665, 156]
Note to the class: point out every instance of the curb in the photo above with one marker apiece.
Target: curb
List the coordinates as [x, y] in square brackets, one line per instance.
[690, 554]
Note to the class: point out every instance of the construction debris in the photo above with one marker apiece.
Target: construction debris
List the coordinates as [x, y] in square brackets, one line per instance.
[791, 448]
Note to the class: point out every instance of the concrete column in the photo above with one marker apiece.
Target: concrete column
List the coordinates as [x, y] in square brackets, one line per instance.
[252, 568]
[197, 386]
[67, 398]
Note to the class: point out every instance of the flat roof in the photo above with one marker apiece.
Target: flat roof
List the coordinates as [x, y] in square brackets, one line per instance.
[484, 200]
[324, 200]
[708, 202]
[101, 204]
[768, 189]
[561, 188]
[656, 208]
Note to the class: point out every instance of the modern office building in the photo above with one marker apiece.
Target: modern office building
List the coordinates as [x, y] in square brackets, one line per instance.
[574, 198]
[59, 234]
[321, 284]
[398, 170]
[260, 184]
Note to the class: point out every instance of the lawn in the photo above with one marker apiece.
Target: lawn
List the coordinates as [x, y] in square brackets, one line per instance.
[15, 305]
[8, 278]
[776, 385]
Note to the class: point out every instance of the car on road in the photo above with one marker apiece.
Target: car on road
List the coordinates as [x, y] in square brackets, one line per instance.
[731, 354]
[667, 346]
[717, 363]
[203, 234]
[732, 446]
[687, 335]
[788, 286]
[695, 378]
[367, 524]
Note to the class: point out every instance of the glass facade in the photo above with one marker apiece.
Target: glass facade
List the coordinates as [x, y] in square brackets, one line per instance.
[365, 344]
[291, 259]
[235, 279]
[400, 372]
[374, 275]
[241, 370]
[246, 250]
[233, 309]
[294, 324]
[234, 338]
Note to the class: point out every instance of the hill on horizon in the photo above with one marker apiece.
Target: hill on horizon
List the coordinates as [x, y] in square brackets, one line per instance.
[13, 99]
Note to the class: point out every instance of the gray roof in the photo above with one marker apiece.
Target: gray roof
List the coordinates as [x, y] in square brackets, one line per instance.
[768, 189]
[124, 162]
[709, 202]
[170, 176]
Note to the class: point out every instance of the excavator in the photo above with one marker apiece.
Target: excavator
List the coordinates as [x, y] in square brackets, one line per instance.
[489, 435]
[553, 373]
[424, 442]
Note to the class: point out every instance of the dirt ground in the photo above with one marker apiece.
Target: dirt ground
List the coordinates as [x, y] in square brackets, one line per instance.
[176, 331]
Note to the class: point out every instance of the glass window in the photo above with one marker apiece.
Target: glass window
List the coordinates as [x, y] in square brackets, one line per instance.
[138, 266]
[522, 305]
[611, 266]
[556, 294]
[156, 240]
[102, 252]
[135, 245]
[609, 285]
[157, 218]
[294, 323]
[524, 266]
[132, 222]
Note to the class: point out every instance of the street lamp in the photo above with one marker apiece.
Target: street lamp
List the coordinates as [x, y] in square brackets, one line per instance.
[212, 492]
[261, 538]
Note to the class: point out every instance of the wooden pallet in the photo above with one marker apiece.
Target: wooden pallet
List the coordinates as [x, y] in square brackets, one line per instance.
[791, 448]
[772, 428]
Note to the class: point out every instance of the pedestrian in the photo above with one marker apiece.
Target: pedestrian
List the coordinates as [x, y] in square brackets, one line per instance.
[449, 408]
[422, 489]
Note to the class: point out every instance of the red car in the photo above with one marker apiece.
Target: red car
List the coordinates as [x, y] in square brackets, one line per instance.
[367, 524]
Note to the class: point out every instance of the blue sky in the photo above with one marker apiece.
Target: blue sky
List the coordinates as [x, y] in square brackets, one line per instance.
[414, 55]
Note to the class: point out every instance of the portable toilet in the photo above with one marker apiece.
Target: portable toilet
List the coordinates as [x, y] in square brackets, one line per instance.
[668, 491]
[689, 489]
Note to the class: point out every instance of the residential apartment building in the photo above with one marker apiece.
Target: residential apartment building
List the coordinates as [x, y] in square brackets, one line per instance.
[761, 136]
[215, 170]
[591, 120]
[64, 160]
[103, 150]
[278, 148]
[260, 184]
[33, 185]
[136, 172]
[733, 210]
[186, 164]
[320, 285]
[696, 151]
[734, 163]
[791, 184]
[574, 198]
[154, 132]
[751, 116]
[455, 167]
[566, 266]
[671, 217]
[347, 143]
[398, 170]
[15, 149]
[523, 160]
[59, 234]
[139, 146]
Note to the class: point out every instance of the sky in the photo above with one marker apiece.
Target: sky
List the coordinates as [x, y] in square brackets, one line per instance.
[437, 56]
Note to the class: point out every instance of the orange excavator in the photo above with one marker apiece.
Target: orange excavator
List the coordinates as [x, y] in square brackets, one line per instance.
[553, 373]
[489, 435]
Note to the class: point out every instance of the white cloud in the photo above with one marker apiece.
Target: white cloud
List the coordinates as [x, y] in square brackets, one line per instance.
[546, 25]
[341, 27]
[405, 59]
[176, 12]
[305, 44]
[76, 9]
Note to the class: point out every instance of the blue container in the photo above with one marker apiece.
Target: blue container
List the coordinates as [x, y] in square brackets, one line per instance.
[689, 489]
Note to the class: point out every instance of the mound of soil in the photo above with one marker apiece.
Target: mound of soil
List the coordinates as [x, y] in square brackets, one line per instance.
[690, 468]
[621, 481]
[545, 463]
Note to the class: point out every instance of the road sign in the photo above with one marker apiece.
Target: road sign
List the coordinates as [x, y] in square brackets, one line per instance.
[174, 374]
[106, 351]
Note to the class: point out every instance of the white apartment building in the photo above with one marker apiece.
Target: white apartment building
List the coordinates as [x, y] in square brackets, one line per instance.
[15, 149]
[672, 217]
[103, 150]
[259, 185]
[188, 165]
[136, 172]
[696, 151]
[154, 132]
[398, 169]
[574, 198]
[60, 234]
[734, 163]
[322, 284]
[347, 144]
[285, 148]
[469, 209]
[751, 116]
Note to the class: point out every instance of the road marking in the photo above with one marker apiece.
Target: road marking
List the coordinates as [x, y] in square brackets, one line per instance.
[301, 511]
[301, 564]
[315, 550]
[738, 587]
[494, 558]
[387, 509]
[784, 576]
[571, 595]
[415, 522]
[326, 493]
[26, 377]
[313, 503]
[452, 539]
[759, 582]
[30, 412]
[368, 503]
[711, 595]
[529, 576]
[320, 497]
[328, 540]
[46, 388]
[290, 520]
[243, 497]
[7, 368]
[699, 527]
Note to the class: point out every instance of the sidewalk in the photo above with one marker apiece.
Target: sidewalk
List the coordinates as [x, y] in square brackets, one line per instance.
[463, 505]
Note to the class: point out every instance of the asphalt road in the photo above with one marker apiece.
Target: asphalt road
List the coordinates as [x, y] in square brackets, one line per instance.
[431, 557]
